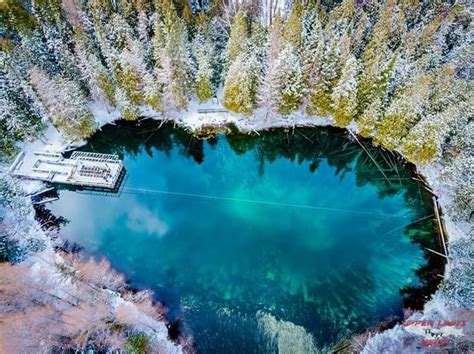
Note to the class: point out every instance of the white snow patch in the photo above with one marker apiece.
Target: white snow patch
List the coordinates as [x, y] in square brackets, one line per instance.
[155, 331]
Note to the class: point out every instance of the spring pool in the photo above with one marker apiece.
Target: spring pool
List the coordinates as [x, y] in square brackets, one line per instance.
[291, 240]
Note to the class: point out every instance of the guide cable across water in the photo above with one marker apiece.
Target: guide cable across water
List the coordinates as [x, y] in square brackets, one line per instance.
[131, 190]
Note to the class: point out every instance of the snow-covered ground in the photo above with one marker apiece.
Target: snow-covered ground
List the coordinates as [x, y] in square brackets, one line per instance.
[23, 228]
[389, 341]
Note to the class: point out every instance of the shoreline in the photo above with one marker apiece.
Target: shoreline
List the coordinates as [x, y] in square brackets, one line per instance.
[195, 123]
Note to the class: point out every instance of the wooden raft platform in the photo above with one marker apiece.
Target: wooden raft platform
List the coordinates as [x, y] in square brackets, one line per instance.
[86, 169]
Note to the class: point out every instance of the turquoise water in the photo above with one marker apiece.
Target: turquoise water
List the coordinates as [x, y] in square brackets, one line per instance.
[291, 239]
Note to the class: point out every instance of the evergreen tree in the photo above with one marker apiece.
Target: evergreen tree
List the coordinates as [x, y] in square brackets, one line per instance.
[237, 43]
[173, 61]
[128, 110]
[57, 36]
[129, 11]
[152, 94]
[144, 29]
[293, 28]
[360, 31]
[379, 55]
[369, 118]
[204, 54]
[311, 52]
[325, 76]
[132, 71]
[270, 82]
[66, 105]
[241, 84]
[425, 141]
[18, 119]
[14, 18]
[311, 37]
[450, 109]
[15, 65]
[404, 111]
[344, 95]
[101, 9]
[95, 74]
[290, 90]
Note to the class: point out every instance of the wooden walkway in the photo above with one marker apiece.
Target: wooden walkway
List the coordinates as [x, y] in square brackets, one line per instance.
[86, 169]
[212, 110]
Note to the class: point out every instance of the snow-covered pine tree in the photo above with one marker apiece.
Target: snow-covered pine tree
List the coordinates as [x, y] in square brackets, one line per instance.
[344, 95]
[129, 12]
[101, 9]
[173, 64]
[132, 71]
[292, 29]
[379, 55]
[290, 72]
[204, 55]
[109, 53]
[18, 119]
[404, 111]
[144, 28]
[178, 49]
[218, 37]
[164, 74]
[152, 94]
[57, 37]
[242, 78]
[66, 104]
[359, 32]
[241, 84]
[151, 85]
[21, 121]
[269, 85]
[15, 63]
[450, 109]
[94, 73]
[15, 18]
[369, 118]
[311, 32]
[311, 51]
[257, 41]
[33, 48]
[325, 76]
[457, 158]
[123, 55]
[128, 110]
[424, 142]
[238, 39]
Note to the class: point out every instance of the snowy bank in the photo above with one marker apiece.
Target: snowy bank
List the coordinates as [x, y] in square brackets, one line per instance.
[63, 300]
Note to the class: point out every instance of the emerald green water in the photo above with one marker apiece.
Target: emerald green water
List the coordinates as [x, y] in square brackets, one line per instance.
[285, 240]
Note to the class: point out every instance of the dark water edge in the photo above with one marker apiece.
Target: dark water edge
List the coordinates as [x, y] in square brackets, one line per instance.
[333, 145]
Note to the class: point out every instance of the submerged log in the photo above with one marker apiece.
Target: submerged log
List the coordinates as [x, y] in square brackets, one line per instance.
[440, 225]
[211, 130]
[435, 252]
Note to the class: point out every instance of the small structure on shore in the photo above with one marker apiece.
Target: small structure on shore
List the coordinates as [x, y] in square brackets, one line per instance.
[85, 169]
[212, 110]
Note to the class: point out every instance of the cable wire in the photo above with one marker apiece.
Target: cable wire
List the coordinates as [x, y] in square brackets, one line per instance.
[131, 190]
